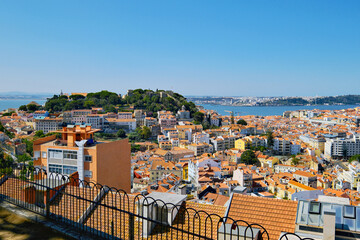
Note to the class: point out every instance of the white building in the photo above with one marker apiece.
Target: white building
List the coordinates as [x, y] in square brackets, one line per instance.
[47, 124]
[344, 147]
[96, 120]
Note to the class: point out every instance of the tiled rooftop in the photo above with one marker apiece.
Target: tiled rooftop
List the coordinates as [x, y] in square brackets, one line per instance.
[274, 215]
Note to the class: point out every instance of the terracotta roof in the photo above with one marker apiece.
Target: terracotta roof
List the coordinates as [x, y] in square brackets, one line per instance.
[275, 215]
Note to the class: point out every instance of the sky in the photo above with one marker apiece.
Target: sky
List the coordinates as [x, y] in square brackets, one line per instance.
[203, 47]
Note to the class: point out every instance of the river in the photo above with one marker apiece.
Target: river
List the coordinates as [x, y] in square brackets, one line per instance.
[15, 103]
[269, 110]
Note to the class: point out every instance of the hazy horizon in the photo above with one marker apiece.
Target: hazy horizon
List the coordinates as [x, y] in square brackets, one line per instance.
[232, 48]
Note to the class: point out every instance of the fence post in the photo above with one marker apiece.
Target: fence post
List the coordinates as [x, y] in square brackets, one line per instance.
[47, 204]
[131, 227]
[112, 229]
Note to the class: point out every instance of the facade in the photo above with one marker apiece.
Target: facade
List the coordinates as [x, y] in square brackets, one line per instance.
[160, 168]
[40, 113]
[200, 148]
[306, 178]
[150, 121]
[223, 142]
[79, 116]
[244, 178]
[352, 176]
[242, 144]
[96, 120]
[115, 124]
[167, 122]
[124, 115]
[344, 147]
[47, 124]
[76, 151]
[183, 114]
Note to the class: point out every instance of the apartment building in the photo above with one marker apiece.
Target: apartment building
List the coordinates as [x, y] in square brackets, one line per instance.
[96, 120]
[167, 122]
[242, 144]
[40, 113]
[79, 116]
[282, 146]
[306, 178]
[183, 113]
[200, 148]
[150, 121]
[288, 168]
[76, 151]
[160, 168]
[47, 124]
[113, 124]
[125, 115]
[223, 142]
[352, 176]
[342, 147]
[244, 178]
[200, 137]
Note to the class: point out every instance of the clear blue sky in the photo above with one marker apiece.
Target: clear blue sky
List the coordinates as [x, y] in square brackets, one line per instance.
[243, 48]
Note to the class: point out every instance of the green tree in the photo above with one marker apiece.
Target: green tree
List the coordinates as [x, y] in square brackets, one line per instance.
[8, 113]
[77, 97]
[6, 163]
[7, 132]
[39, 134]
[135, 147]
[23, 158]
[134, 137]
[270, 138]
[29, 146]
[23, 108]
[242, 122]
[248, 157]
[355, 158]
[295, 161]
[32, 107]
[206, 125]
[145, 133]
[198, 117]
[121, 133]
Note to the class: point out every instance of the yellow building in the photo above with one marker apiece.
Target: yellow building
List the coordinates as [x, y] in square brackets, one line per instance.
[185, 169]
[242, 144]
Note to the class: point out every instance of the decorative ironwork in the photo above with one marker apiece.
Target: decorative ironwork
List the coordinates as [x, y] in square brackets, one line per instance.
[109, 213]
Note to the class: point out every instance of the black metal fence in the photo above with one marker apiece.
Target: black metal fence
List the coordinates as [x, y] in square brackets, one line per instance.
[109, 213]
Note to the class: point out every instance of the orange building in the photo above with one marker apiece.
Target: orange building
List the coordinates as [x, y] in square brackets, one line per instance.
[107, 163]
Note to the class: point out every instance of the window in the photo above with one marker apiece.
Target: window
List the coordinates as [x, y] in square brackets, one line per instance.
[88, 158]
[55, 168]
[349, 212]
[43, 154]
[69, 170]
[53, 153]
[88, 173]
[70, 154]
[315, 207]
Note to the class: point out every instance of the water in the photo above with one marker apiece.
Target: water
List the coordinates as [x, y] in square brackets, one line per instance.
[15, 103]
[270, 110]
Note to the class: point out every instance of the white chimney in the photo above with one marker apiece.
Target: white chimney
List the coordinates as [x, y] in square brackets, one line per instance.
[329, 225]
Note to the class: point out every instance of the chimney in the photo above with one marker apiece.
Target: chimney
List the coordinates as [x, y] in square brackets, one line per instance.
[329, 225]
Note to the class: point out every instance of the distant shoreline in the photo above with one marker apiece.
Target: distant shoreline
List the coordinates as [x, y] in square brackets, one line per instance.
[277, 105]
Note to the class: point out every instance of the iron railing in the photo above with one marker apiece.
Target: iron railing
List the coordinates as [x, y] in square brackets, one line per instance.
[109, 213]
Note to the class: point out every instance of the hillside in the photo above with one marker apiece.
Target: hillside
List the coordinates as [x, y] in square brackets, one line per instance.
[148, 100]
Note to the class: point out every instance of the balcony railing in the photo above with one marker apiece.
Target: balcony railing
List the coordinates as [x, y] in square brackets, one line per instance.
[109, 213]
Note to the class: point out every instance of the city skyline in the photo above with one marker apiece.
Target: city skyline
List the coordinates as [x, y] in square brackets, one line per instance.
[234, 49]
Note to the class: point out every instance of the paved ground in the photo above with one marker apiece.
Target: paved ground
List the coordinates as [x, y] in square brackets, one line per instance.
[16, 227]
